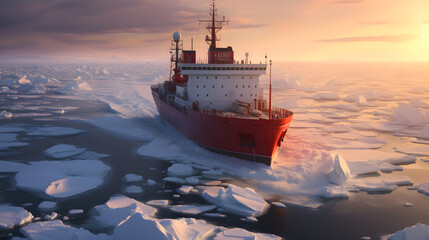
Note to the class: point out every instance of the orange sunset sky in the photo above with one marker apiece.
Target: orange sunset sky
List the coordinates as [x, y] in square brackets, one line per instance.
[286, 30]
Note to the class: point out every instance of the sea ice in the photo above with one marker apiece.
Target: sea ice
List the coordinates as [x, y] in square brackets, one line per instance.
[279, 204]
[47, 205]
[408, 114]
[241, 201]
[7, 129]
[133, 178]
[340, 172]
[422, 188]
[417, 151]
[185, 189]
[63, 151]
[192, 209]
[136, 226]
[9, 166]
[150, 182]
[326, 96]
[238, 233]
[57, 230]
[118, 209]
[11, 216]
[158, 203]
[55, 131]
[179, 169]
[75, 211]
[174, 180]
[5, 115]
[8, 137]
[51, 216]
[424, 133]
[416, 232]
[333, 191]
[61, 179]
[192, 180]
[133, 189]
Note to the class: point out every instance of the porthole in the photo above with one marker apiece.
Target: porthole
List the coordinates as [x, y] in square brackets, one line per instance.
[207, 95]
[236, 86]
[213, 86]
[207, 77]
[242, 77]
[251, 95]
[204, 86]
[249, 86]
[256, 86]
[243, 86]
[198, 77]
[197, 86]
[222, 86]
[241, 94]
[250, 77]
[198, 95]
[226, 95]
[228, 77]
[215, 77]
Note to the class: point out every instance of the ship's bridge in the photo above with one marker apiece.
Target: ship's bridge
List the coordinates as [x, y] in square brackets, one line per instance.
[222, 69]
[218, 86]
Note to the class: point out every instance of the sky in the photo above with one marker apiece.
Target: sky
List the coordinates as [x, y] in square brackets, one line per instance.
[285, 30]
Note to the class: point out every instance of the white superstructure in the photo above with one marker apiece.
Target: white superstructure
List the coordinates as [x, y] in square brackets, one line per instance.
[218, 86]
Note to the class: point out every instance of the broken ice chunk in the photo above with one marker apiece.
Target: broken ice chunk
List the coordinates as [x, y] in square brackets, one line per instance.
[179, 169]
[422, 188]
[132, 178]
[340, 172]
[185, 189]
[158, 203]
[63, 151]
[47, 205]
[192, 209]
[416, 232]
[55, 131]
[133, 189]
[57, 230]
[11, 216]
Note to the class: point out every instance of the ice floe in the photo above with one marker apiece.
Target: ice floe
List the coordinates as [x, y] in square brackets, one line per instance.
[63, 151]
[150, 182]
[118, 209]
[416, 232]
[192, 180]
[238, 233]
[424, 133]
[51, 216]
[408, 114]
[47, 205]
[185, 189]
[11, 216]
[133, 189]
[179, 169]
[158, 203]
[75, 211]
[61, 179]
[55, 131]
[57, 230]
[133, 178]
[279, 204]
[417, 151]
[422, 188]
[326, 96]
[237, 200]
[192, 209]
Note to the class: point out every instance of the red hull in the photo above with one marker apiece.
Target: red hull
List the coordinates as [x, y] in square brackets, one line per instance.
[251, 139]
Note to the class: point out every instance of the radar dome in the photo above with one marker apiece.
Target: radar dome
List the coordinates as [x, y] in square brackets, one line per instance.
[176, 36]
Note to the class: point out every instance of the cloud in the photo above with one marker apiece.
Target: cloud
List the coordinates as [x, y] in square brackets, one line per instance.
[382, 38]
[95, 16]
[381, 22]
[245, 23]
[426, 22]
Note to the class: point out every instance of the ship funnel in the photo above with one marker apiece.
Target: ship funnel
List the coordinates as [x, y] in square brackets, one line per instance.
[247, 57]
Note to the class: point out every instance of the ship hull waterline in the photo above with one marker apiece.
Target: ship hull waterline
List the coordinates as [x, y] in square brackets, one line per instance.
[250, 139]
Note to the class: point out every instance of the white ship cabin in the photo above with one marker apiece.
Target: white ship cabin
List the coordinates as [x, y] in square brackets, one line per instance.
[218, 86]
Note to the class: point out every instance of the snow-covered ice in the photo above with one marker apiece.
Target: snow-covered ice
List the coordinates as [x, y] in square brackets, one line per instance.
[75, 211]
[185, 189]
[133, 178]
[150, 182]
[158, 203]
[340, 173]
[422, 188]
[51, 216]
[61, 179]
[179, 169]
[192, 180]
[63, 151]
[47, 205]
[416, 232]
[237, 200]
[56, 229]
[133, 189]
[192, 209]
[279, 204]
[119, 208]
[55, 131]
[11, 216]
[237, 233]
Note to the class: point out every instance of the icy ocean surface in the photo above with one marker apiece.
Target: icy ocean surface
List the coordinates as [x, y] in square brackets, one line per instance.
[84, 155]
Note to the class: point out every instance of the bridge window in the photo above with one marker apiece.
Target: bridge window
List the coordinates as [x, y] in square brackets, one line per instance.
[223, 69]
[204, 68]
[218, 68]
[246, 68]
[228, 68]
[199, 68]
[194, 68]
[250, 68]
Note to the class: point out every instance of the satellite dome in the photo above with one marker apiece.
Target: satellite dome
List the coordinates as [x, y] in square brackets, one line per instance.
[176, 36]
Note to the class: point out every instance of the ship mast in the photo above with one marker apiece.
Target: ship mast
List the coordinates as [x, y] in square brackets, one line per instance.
[269, 106]
[213, 25]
